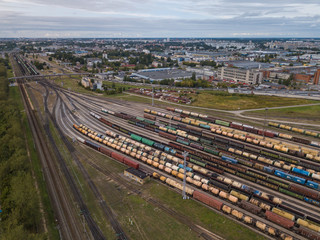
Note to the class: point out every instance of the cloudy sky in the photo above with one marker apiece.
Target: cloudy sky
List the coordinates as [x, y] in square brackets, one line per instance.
[159, 18]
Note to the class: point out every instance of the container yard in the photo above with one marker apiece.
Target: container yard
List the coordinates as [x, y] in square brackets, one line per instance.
[262, 179]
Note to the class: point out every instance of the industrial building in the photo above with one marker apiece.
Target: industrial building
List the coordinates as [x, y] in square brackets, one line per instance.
[316, 78]
[136, 175]
[247, 76]
[159, 74]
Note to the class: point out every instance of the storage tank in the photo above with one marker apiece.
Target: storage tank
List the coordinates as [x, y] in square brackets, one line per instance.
[226, 209]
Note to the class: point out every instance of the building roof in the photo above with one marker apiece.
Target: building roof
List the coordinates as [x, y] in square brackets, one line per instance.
[158, 74]
[136, 172]
[250, 64]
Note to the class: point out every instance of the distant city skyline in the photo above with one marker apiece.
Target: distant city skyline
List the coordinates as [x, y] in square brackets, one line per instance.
[152, 18]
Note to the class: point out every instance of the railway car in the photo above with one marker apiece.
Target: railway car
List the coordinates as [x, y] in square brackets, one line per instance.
[282, 221]
[304, 191]
[92, 144]
[130, 163]
[250, 207]
[105, 151]
[204, 198]
[308, 233]
[228, 159]
[283, 213]
[308, 224]
[313, 184]
[289, 177]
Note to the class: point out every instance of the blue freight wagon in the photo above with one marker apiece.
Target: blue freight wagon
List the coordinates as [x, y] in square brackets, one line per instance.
[313, 185]
[229, 159]
[204, 126]
[309, 200]
[268, 169]
[290, 177]
[300, 171]
[187, 168]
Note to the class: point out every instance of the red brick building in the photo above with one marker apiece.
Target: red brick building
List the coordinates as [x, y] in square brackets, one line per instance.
[316, 77]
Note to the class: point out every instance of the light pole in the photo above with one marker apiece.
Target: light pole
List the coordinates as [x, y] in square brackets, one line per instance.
[184, 154]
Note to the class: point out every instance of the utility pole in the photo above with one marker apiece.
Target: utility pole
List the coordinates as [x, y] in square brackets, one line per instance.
[152, 96]
[184, 154]
[265, 121]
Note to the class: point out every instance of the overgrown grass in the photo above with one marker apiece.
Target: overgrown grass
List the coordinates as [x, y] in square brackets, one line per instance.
[72, 84]
[138, 218]
[226, 101]
[211, 220]
[87, 194]
[305, 114]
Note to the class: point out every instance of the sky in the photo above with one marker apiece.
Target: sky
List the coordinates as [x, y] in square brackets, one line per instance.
[155, 18]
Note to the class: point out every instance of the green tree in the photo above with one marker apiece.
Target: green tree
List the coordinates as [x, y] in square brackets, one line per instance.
[193, 76]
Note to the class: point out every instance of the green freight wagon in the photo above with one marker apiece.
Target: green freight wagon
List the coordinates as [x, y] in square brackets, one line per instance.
[136, 137]
[147, 141]
[198, 162]
[223, 123]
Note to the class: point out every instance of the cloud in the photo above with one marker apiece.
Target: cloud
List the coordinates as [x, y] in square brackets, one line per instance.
[151, 18]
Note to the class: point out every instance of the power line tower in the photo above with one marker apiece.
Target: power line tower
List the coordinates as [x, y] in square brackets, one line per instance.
[184, 154]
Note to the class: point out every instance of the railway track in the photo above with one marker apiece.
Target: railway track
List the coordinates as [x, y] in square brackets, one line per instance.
[96, 106]
[64, 211]
[121, 235]
[70, 224]
[199, 230]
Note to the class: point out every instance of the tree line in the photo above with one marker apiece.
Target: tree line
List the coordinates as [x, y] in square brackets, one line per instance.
[20, 217]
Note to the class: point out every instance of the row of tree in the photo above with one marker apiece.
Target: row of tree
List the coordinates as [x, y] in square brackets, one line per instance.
[20, 217]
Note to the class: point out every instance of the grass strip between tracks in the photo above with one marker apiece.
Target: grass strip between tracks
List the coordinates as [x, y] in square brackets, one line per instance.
[87, 194]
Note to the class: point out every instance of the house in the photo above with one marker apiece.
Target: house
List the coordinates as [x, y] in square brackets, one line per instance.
[85, 82]
[91, 61]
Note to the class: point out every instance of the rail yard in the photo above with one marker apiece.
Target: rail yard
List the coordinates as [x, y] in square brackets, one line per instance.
[268, 181]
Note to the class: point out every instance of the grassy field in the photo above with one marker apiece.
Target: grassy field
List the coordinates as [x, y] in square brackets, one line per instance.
[305, 114]
[207, 99]
[72, 84]
[225, 101]
[210, 100]
[142, 220]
